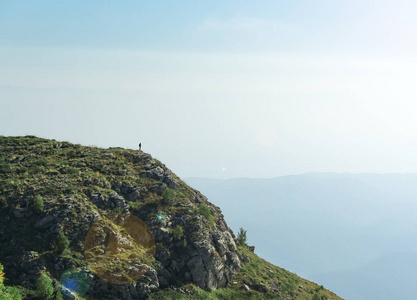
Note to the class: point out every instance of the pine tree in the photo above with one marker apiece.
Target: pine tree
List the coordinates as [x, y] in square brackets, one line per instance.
[241, 236]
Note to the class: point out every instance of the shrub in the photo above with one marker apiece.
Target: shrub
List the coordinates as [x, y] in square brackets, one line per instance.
[11, 293]
[241, 237]
[178, 232]
[44, 287]
[167, 196]
[5, 168]
[62, 242]
[205, 211]
[58, 295]
[38, 204]
[8, 292]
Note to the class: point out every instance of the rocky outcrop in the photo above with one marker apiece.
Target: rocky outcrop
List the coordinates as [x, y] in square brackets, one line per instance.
[162, 174]
[113, 201]
[139, 290]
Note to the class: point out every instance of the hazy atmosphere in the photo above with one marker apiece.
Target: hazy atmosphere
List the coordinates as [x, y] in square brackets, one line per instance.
[221, 89]
[296, 118]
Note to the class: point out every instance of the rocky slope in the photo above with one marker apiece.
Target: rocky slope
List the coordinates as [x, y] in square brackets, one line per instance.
[125, 219]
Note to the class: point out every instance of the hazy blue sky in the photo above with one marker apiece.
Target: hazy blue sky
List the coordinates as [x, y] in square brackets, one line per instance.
[218, 88]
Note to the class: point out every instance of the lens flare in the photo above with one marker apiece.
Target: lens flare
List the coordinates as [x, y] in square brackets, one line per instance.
[160, 217]
[119, 248]
[74, 282]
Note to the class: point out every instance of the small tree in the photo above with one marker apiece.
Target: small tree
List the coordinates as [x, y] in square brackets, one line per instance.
[44, 287]
[178, 232]
[62, 242]
[38, 203]
[241, 236]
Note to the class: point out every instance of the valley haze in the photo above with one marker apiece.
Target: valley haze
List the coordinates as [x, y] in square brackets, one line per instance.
[355, 233]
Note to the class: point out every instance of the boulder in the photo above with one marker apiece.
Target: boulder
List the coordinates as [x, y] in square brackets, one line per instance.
[44, 222]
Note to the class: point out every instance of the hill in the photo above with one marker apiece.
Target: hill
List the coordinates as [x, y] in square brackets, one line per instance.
[118, 224]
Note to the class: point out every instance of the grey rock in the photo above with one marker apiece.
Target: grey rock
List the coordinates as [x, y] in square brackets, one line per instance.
[163, 256]
[44, 222]
[163, 175]
[119, 201]
[156, 173]
[148, 283]
[162, 235]
[115, 200]
[134, 195]
[164, 277]
[20, 213]
[158, 187]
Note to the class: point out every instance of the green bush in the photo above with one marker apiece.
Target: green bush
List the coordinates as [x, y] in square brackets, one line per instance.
[58, 295]
[178, 232]
[38, 204]
[241, 237]
[205, 211]
[62, 242]
[167, 196]
[5, 168]
[8, 292]
[44, 287]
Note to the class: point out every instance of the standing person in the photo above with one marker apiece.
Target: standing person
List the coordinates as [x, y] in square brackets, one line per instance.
[140, 146]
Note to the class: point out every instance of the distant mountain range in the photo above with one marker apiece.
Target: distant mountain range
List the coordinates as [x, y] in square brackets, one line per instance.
[354, 233]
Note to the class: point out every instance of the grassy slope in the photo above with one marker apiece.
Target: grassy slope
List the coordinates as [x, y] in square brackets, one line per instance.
[31, 166]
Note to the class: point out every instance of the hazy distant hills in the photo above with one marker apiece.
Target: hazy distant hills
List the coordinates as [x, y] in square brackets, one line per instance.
[347, 231]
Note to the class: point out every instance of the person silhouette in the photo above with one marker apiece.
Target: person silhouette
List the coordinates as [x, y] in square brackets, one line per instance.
[140, 146]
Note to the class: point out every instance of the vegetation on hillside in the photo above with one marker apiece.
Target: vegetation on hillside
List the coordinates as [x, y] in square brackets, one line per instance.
[51, 176]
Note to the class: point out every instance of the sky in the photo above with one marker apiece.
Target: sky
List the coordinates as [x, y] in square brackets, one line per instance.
[218, 89]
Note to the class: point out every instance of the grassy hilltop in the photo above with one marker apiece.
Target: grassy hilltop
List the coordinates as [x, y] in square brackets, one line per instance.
[51, 194]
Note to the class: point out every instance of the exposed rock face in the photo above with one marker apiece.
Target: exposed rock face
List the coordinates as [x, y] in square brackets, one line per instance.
[139, 290]
[163, 175]
[191, 246]
[209, 263]
[114, 201]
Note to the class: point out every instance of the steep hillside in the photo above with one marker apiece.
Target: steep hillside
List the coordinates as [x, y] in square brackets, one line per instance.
[128, 227]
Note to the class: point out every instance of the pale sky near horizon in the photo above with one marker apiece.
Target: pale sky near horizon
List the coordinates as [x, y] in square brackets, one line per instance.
[218, 89]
